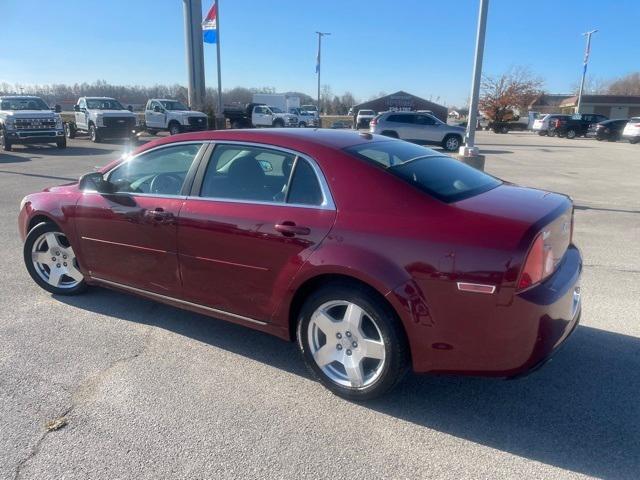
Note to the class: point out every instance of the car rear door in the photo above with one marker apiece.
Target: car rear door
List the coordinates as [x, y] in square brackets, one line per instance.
[128, 237]
[428, 129]
[254, 216]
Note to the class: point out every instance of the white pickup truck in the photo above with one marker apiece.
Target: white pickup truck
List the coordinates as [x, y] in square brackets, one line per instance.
[305, 118]
[258, 115]
[102, 117]
[28, 120]
[173, 116]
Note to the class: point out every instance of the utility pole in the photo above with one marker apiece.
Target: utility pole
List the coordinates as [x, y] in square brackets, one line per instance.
[470, 150]
[587, 51]
[219, 114]
[195, 55]
[320, 35]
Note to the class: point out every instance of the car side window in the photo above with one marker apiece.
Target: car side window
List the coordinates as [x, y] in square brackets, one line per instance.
[425, 120]
[83, 103]
[162, 171]
[242, 172]
[304, 188]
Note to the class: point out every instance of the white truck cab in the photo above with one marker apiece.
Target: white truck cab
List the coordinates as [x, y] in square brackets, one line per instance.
[173, 116]
[26, 119]
[102, 117]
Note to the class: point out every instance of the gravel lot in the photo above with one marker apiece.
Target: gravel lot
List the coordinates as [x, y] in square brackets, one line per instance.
[153, 392]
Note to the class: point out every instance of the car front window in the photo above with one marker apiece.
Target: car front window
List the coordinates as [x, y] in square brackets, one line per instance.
[160, 171]
[24, 104]
[104, 104]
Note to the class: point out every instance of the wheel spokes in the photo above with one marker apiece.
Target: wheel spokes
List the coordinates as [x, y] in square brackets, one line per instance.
[52, 241]
[353, 317]
[372, 349]
[353, 367]
[55, 276]
[43, 258]
[74, 273]
[324, 322]
[325, 355]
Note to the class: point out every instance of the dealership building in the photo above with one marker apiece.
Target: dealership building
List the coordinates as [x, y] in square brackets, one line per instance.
[612, 106]
[401, 101]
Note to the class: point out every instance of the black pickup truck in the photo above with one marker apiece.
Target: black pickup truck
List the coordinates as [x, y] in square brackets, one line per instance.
[577, 125]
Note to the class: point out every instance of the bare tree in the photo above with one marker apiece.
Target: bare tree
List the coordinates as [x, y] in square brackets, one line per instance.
[627, 85]
[513, 90]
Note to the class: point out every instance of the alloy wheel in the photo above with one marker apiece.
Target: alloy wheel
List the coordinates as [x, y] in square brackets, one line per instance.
[55, 262]
[452, 144]
[346, 344]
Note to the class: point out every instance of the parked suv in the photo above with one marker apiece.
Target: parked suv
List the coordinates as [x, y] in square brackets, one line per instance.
[364, 117]
[420, 128]
[174, 116]
[102, 117]
[577, 125]
[631, 131]
[545, 125]
[28, 120]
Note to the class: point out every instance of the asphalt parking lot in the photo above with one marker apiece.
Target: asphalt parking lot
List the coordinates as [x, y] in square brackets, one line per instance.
[150, 392]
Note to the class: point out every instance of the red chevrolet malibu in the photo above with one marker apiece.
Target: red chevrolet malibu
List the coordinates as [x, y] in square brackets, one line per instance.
[374, 254]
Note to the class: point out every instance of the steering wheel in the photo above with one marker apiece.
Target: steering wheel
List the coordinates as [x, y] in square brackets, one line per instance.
[168, 183]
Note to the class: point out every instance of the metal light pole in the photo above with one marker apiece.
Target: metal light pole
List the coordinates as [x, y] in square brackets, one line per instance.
[587, 51]
[470, 150]
[320, 35]
[194, 50]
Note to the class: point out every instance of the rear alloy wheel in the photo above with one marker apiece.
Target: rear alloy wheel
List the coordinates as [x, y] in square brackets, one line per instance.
[51, 261]
[352, 342]
[175, 128]
[451, 143]
[94, 135]
[571, 134]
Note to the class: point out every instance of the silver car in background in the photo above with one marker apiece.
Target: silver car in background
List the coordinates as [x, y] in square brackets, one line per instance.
[416, 127]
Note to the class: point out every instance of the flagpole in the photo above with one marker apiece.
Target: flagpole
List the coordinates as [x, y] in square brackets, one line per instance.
[218, 55]
[584, 68]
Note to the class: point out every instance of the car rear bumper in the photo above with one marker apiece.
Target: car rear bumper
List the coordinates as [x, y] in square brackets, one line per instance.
[498, 335]
[34, 136]
[631, 136]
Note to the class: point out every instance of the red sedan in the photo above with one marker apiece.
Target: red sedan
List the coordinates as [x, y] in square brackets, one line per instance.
[373, 254]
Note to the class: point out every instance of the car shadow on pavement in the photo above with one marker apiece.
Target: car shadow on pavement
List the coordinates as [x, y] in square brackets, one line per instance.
[71, 151]
[580, 412]
[8, 158]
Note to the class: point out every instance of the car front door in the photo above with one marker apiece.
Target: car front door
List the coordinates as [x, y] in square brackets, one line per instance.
[155, 119]
[81, 115]
[428, 129]
[250, 224]
[260, 117]
[128, 237]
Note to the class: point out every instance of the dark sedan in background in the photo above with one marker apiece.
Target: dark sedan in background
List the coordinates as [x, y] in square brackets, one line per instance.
[608, 130]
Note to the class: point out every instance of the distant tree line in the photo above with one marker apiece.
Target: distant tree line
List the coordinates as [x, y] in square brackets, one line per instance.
[138, 95]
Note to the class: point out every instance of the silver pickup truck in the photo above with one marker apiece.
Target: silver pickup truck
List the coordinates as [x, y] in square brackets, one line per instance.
[27, 120]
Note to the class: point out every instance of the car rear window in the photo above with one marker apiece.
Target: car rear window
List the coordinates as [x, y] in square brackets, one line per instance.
[366, 112]
[438, 175]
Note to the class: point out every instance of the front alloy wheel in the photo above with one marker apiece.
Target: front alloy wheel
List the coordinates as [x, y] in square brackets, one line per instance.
[51, 261]
[451, 143]
[352, 342]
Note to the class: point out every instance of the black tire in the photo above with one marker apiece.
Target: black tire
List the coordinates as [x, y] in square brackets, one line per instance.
[302, 125]
[633, 141]
[504, 129]
[451, 143]
[392, 335]
[278, 123]
[542, 133]
[94, 134]
[390, 133]
[6, 145]
[571, 134]
[175, 128]
[62, 143]
[152, 131]
[551, 133]
[32, 236]
[70, 130]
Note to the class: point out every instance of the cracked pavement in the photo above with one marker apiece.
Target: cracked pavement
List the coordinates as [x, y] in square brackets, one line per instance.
[152, 392]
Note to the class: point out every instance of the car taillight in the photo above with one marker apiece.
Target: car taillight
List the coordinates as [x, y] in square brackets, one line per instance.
[538, 265]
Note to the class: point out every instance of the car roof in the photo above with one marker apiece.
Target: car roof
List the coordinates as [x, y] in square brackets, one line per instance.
[19, 96]
[294, 138]
[98, 98]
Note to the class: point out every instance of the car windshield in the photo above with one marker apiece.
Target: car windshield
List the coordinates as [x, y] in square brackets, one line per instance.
[275, 109]
[366, 112]
[23, 104]
[104, 104]
[310, 108]
[440, 176]
[173, 105]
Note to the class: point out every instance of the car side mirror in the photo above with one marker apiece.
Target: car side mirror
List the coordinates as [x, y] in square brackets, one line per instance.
[95, 181]
[76, 108]
[130, 108]
[57, 108]
[157, 109]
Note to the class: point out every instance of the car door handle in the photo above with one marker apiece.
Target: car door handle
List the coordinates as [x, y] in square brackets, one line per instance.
[290, 229]
[159, 215]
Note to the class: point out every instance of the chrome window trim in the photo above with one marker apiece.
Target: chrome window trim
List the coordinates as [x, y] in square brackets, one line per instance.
[327, 198]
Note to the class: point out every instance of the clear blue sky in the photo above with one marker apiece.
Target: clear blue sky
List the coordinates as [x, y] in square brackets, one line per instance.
[422, 46]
